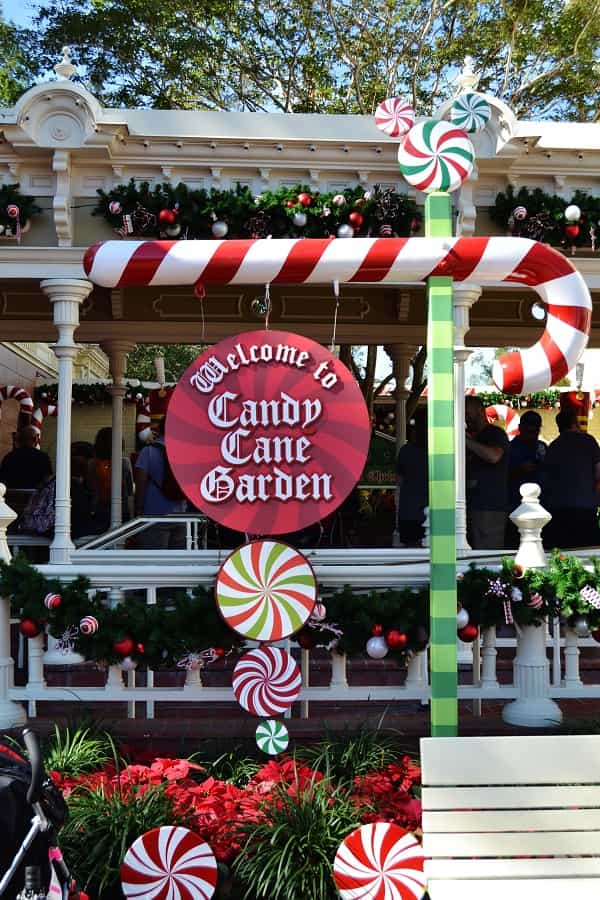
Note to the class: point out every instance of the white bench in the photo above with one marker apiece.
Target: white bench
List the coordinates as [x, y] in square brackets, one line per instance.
[512, 818]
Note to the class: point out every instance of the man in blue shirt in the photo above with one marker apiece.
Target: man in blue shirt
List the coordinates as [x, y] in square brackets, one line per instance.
[150, 499]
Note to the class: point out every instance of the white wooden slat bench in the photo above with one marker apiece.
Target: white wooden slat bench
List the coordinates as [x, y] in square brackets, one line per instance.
[516, 818]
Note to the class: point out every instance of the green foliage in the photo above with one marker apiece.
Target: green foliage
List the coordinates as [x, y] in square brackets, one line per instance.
[405, 610]
[77, 752]
[483, 592]
[102, 825]
[271, 213]
[536, 400]
[342, 757]
[177, 357]
[545, 215]
[231, 766]
[568, 575]
[16, 70]
[292, 853]
[343, 56]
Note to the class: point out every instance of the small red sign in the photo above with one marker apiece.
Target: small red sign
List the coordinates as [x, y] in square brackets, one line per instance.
[267, 432]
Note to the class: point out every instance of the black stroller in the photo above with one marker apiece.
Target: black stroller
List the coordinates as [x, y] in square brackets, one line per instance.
[32, 811]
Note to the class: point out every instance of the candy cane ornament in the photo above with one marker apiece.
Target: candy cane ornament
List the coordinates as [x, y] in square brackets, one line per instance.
[38, 416]
[143, 421]
[23, 398]
[500, 412]
[490, 260]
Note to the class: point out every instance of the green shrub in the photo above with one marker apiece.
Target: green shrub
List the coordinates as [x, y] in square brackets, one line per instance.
[290, 855]
[343, 757]
[77, 752]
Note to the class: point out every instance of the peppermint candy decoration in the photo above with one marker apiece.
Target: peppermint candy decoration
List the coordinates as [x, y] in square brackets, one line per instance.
[52, 601]
[319, 612]
[169, 863]
[272, 737]
[436, 156]
[470, 112]
[394, 117]
[266, 590]
[266, 681]
[519, 213]
[89, 625]
[380, 861]
[536, 601]
[591, 596]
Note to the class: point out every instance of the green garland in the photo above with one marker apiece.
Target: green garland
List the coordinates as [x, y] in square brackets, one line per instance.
[545, 219]
[134, 209]
[186, 623]
[10, 196]
[85, 394]
[536, 400]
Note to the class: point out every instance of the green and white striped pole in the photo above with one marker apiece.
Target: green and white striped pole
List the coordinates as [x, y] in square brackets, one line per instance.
[442, 489]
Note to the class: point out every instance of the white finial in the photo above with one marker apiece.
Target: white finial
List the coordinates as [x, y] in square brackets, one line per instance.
[468, 78]
[65, 68]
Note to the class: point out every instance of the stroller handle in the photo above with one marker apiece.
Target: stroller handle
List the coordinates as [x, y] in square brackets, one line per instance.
[37, 766]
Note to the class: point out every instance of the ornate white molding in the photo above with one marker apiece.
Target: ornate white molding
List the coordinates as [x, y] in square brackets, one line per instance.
[61, 166]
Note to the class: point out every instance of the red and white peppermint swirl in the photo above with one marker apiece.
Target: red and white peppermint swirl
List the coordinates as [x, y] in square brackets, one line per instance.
[484, 260]
[23, 398]
[500, 412]
[266, 590]
[169, 863]
[394, 117]
[380, 861]
[266, 681]
[436, 156]
[89, 625]
[38, 416]
[470, 111]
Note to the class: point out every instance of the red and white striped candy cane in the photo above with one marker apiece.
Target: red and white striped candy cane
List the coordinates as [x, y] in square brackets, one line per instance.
[377, 260]
[37, 419]
[142, 423]
[23, 398]
[501, 412]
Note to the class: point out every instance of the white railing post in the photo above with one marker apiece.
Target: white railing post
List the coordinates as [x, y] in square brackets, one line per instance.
[414, 671]
[11, 714]
[35, 676]
[533, 707]
[339, 678]
[572, 678]
[489, 654]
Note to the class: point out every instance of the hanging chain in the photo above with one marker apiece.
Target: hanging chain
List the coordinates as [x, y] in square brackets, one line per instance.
[336, 294]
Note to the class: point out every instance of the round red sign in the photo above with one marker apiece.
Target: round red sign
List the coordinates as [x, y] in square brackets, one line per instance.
[267, 432]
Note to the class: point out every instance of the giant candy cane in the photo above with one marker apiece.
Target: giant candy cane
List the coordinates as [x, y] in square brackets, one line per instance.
[377, 260]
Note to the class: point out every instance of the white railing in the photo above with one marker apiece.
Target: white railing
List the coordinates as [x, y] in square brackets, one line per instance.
[116, 571]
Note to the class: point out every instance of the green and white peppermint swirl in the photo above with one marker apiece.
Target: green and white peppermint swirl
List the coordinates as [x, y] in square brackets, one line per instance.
[272, 737]
[471, 112]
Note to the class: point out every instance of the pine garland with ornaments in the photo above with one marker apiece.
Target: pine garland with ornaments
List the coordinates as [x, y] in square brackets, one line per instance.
[165, 211]
[570, 224]
[87, 394]
[548, 399]
[16, 210]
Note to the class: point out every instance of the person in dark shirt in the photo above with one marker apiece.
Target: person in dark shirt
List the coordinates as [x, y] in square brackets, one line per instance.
[25, 467]
[486, 475]
[413, 482]
[526, 454]
[572, 472]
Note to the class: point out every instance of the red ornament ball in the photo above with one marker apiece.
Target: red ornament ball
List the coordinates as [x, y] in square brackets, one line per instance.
[167, 217]
[219, 652]
[139, 648]
[468, 634]
[29, 628]
[306, 640]
[572, 231]
[289, 203]
[52, 601]
[305, 199]
[124, 647]
[377, 630]
[356, 219]
[396, 640]
[596, 635]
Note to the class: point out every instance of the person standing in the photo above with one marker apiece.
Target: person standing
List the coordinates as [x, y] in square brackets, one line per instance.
[526, 454]
[158, 494]
[26, 467]
[571, 476]
[486, 476]
[413, 482]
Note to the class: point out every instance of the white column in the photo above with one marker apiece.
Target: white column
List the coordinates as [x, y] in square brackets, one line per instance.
[489, 677]
[66, 296]
[465, 296]
[533, 707]
[401, 356]
[572, 678]
[11, 714]
[117, 352]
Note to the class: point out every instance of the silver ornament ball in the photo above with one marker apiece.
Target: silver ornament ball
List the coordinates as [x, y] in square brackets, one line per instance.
[581, 626]
[345, 231]
[219, 229]
[377, 647]
[462, 618]
[572, 213]
[299, 219]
